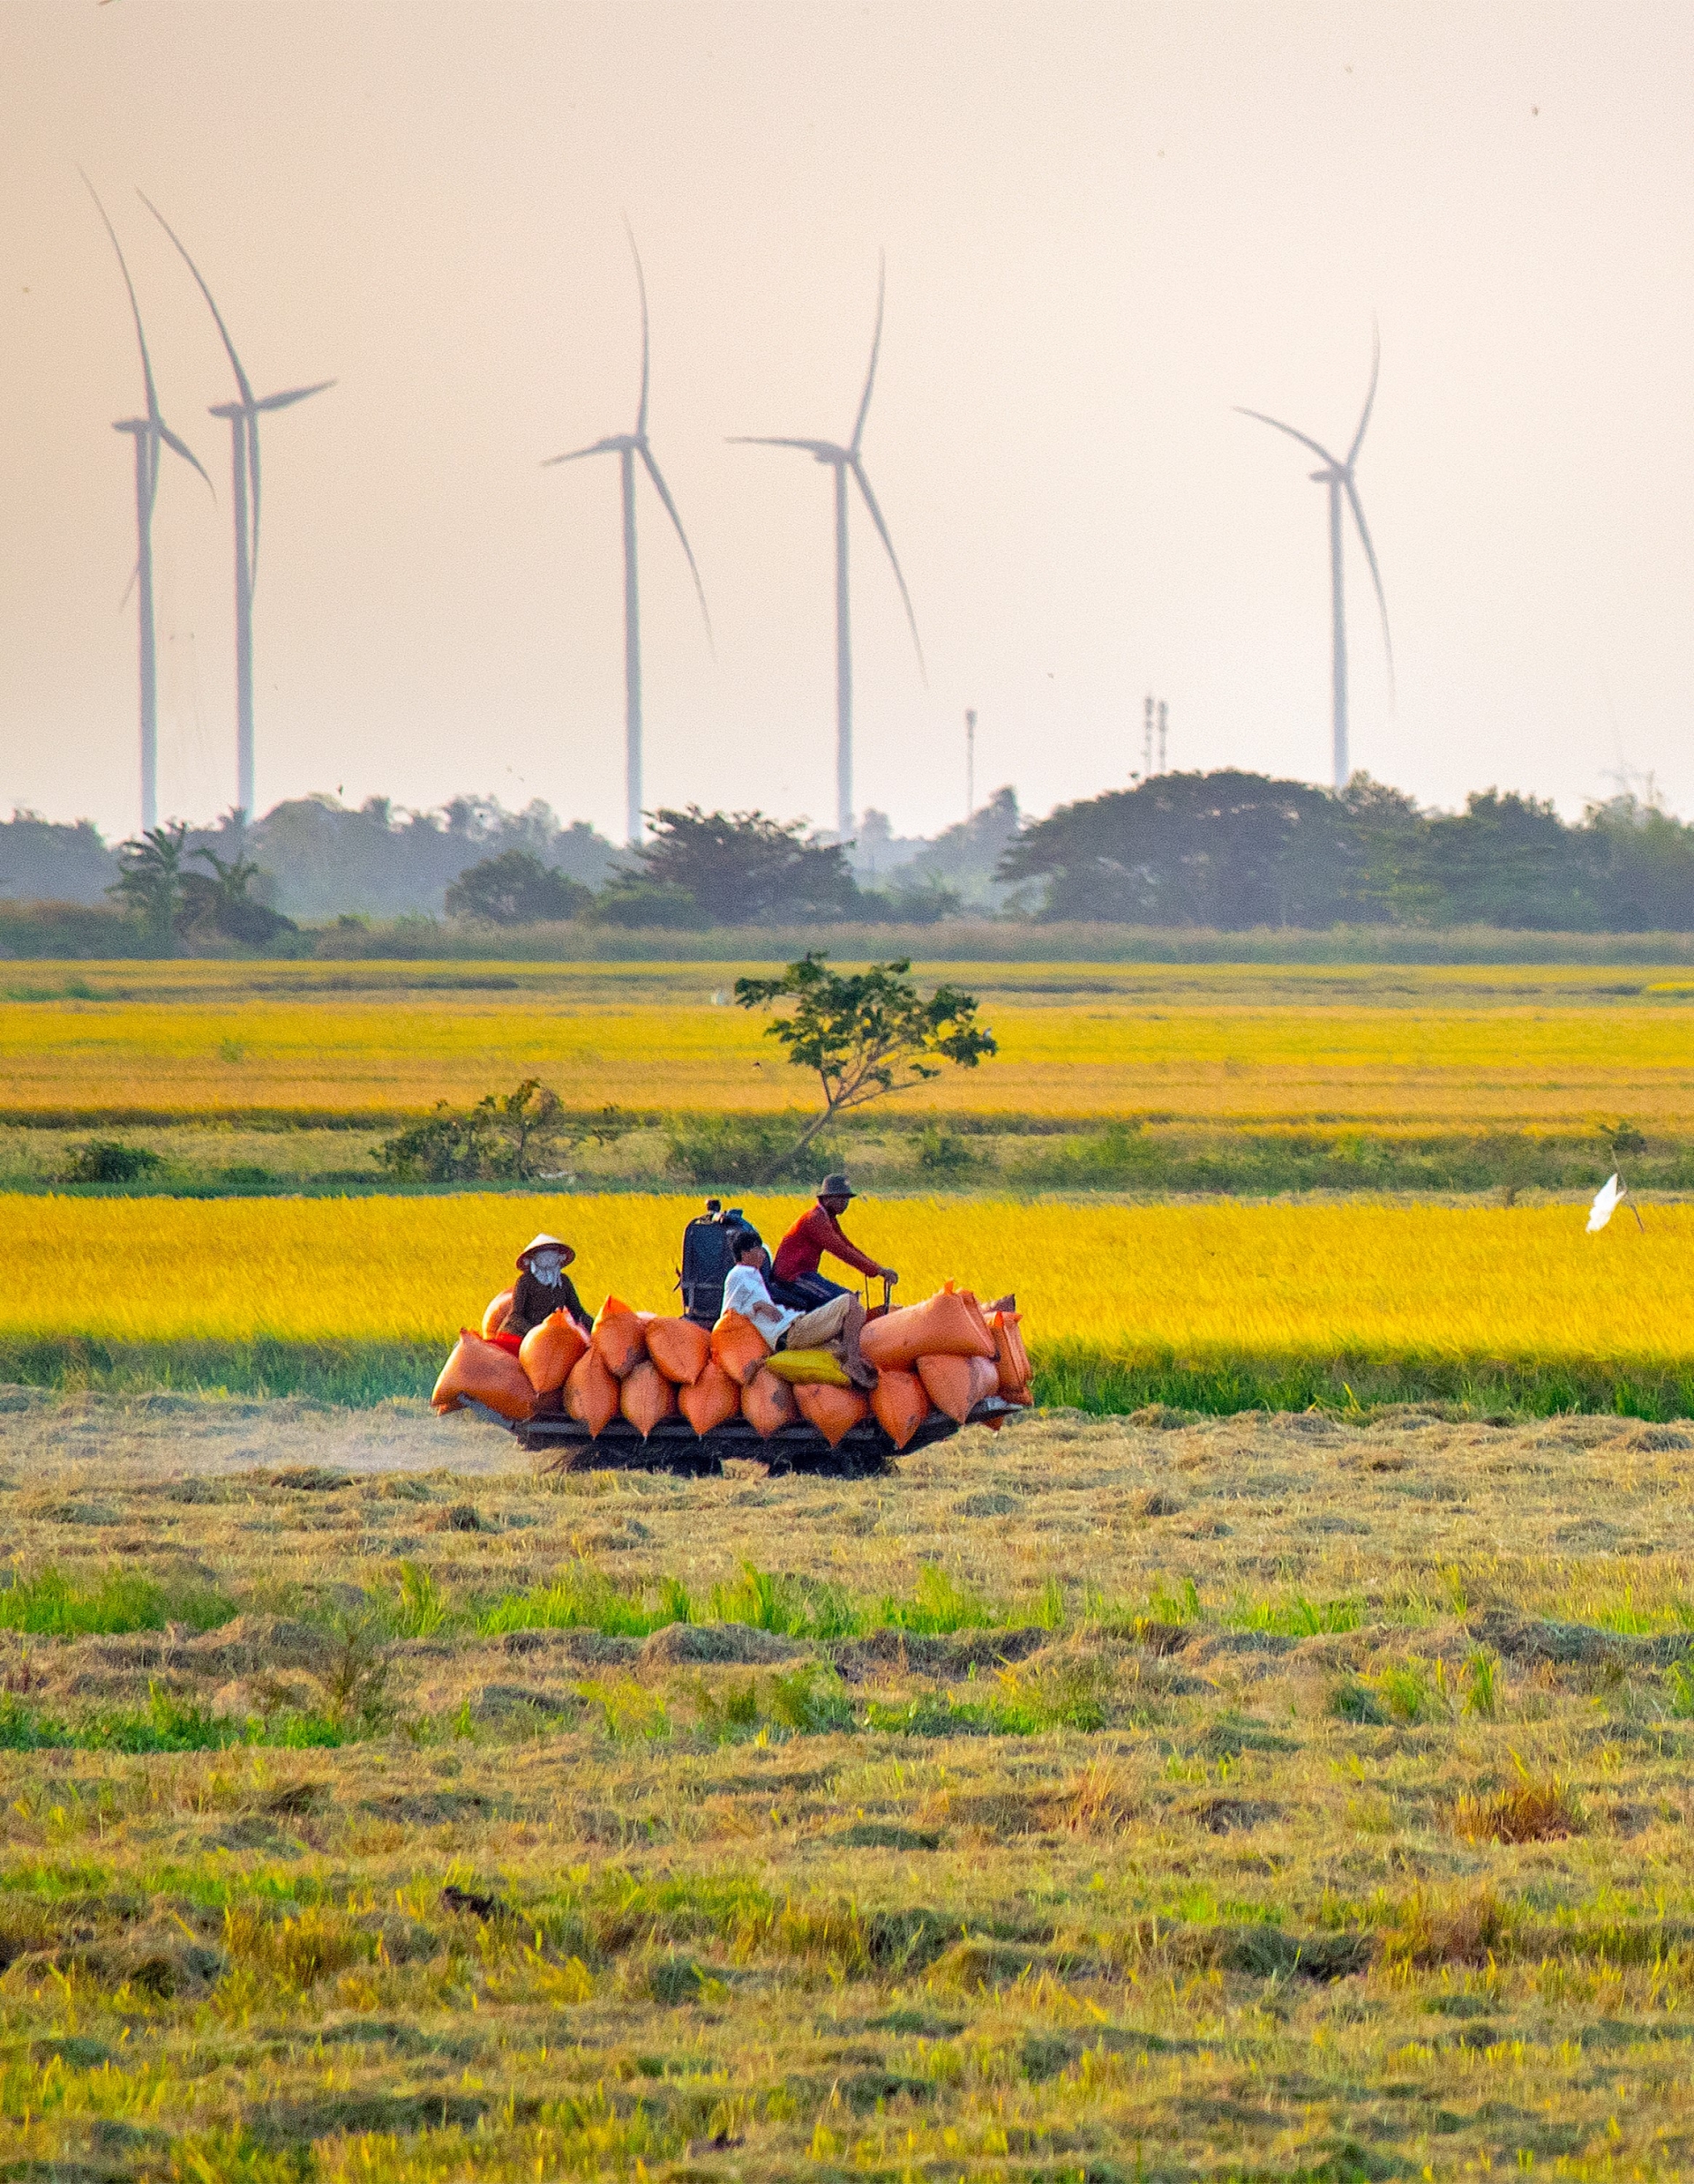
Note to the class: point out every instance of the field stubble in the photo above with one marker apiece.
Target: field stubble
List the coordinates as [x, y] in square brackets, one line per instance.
[1267, 1795]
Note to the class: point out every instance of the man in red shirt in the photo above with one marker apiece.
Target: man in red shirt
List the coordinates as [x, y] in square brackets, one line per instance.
[794, 1277]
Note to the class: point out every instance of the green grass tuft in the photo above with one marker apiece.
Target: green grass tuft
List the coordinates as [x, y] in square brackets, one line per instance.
[51, 1605]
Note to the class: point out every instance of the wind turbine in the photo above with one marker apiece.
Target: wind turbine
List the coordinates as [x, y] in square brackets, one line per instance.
[1336, 475]
[627, 447]
[147, 433]
[846, 461]
[243, 415]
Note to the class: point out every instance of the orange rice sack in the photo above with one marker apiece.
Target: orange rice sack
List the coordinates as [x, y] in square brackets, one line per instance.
[484, 1372]
[768, 1403]
[680, 1349]
[833, 1411]
[899, 1404]
[949, 1325]
[738, 1346]
[711, 1401]
[957, 1384]
[620, 1337]
[646, 1396]
[591, 1392]
[494, 1317]
[549, 1350]
[1011, 1359]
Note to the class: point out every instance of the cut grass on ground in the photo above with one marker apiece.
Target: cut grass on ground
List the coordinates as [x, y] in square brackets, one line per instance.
[1219, 1789]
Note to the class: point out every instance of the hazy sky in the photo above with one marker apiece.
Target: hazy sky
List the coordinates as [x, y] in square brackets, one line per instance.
[1104, 225]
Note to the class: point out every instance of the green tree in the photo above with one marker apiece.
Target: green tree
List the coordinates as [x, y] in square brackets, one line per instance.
[506, 1138]
[515, 888]
[149, 881]
[866, 1033]
[743, 868]
[221, 901]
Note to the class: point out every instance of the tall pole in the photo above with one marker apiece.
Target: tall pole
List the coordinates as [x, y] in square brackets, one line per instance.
[245, 791]
[844, 670]
[1147, 739]
[969, 763]
[631, 658]
[1163, 735]
[1339, 620]
[144, 612]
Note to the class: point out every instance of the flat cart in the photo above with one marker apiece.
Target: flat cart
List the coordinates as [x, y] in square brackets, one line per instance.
[567, 1443]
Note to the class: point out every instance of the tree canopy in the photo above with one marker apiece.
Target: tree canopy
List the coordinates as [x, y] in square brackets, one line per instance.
[745, 868]
[1233, 851]
[515, 888]
[866, 1034]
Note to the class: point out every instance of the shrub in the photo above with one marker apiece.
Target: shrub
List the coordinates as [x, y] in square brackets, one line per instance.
[943, 1154]
[730, 1150]
[105, 1161]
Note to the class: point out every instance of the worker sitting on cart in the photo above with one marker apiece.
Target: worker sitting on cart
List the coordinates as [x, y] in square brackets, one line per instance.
[834, 1327]
[794, 1279]
[543, 1287]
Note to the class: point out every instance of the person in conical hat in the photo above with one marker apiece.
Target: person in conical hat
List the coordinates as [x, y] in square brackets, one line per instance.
[543, 1287]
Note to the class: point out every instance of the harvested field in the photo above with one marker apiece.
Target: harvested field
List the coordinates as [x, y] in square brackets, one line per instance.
[1256, 1797]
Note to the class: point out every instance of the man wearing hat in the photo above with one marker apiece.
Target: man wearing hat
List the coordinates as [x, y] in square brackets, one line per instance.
[543, 1287]
[794, 1277]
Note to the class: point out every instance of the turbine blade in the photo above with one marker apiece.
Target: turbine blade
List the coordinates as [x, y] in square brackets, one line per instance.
[641, 282]
[1304, 439]
[135, 308]
[294, 394]
[241, 376]
[876, 344]
[600, 447]
[1364, 418]
[181, 448]
[1375, 574]
[857, 470]
[664, 491]
[826, 451]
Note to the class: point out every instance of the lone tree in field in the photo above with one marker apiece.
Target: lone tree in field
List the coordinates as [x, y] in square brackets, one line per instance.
[866, 1033]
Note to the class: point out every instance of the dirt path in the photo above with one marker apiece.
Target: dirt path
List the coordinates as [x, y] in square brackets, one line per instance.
[174, 1435]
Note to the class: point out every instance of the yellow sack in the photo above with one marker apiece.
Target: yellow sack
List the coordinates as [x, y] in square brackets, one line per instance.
[810, 1369]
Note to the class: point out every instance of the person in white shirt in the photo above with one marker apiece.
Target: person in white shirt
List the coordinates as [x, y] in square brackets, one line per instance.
[834, 1327]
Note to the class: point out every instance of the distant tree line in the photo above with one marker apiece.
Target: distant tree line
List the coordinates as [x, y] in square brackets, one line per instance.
[1225, 850]
[314, 858]
[1235, 851]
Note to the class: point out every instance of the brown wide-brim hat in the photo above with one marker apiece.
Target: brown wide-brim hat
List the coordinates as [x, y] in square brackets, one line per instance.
[837, 1186]
[544, 1242]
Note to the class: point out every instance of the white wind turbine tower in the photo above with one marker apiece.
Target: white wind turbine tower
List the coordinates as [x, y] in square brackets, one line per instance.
[846, 462]
[243, 415]
[627, 447]
[149, 434]
[1338, 475]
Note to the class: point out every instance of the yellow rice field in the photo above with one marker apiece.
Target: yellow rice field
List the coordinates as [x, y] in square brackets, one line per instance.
[1383, 1048]
[1205, 1283]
